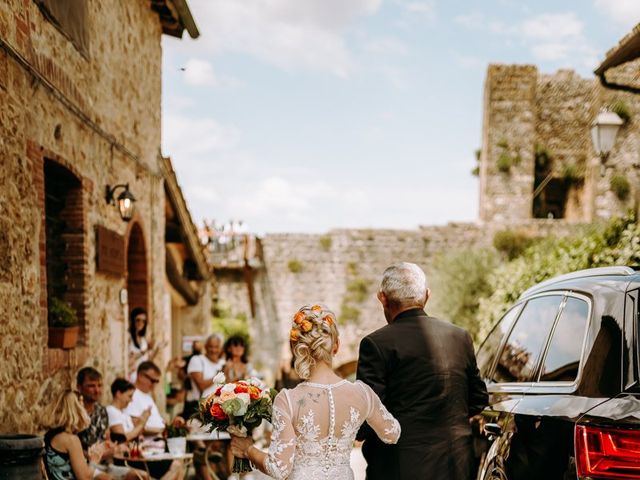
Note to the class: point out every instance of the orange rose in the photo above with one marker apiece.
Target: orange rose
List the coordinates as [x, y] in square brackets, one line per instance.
[217, 412]
[306, 326]
[316, 308]
[294, 334]
[254, 392]
[328, 319]
[298, 318]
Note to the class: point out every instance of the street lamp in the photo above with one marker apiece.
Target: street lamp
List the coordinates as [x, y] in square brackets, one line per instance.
[125, 200]
[603, 134]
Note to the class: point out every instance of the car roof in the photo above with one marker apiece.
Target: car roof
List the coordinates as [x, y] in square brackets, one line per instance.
[584, 278]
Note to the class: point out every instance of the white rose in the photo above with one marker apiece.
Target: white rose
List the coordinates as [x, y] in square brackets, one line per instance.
[245, 399]
[229, 387]
[219, 379]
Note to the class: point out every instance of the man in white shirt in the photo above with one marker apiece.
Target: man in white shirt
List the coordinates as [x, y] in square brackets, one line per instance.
[148, 376]
[202, 368]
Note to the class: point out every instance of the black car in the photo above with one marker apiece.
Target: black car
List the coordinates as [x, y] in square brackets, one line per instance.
[562, 368]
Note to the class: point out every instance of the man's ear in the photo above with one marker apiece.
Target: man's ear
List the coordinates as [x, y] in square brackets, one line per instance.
[382, 298]
[427, 295]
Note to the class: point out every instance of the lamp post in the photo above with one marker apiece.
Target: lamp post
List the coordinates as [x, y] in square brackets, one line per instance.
[603, 134]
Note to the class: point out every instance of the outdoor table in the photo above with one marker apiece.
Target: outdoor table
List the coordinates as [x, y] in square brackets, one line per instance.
[155, 465]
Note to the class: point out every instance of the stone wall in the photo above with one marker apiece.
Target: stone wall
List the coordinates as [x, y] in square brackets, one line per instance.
[99, 116]
[525, 110]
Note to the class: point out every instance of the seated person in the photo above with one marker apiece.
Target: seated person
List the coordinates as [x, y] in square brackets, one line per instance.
[121, 427]
[64, 458]
[148, 375]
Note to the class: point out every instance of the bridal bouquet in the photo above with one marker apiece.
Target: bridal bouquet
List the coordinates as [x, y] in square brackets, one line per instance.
[237, 408]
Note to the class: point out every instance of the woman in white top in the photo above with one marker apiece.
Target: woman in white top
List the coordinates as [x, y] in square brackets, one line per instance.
[140, 349]
[315, 423]
[121, 426]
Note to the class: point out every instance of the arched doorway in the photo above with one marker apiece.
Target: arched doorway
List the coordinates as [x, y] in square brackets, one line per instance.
[137, 270]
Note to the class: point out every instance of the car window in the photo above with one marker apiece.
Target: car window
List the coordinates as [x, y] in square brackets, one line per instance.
[522, 350]
[563, 356]
[489, 349]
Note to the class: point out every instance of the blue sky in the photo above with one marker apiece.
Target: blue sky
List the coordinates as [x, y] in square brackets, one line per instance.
[308, 115]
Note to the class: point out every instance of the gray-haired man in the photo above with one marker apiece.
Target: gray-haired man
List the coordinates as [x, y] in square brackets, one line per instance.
[425, 372]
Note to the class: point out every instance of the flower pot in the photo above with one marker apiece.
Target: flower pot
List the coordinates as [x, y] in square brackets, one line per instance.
[177, 445]
[63, 337]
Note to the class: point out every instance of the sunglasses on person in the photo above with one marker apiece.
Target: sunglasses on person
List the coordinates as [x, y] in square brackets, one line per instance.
[150, 378]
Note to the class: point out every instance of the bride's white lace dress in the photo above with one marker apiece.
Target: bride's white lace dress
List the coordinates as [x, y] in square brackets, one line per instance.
[314, 426]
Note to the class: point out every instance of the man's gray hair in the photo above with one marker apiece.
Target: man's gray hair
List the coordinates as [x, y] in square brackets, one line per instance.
[215, 336]
[404, 283]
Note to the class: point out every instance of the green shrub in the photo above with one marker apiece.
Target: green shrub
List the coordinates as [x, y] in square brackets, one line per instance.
[358, 289]
[294, 265]
[542, 156]
[325, 242]
[620, 186]
[475, 171]
[622, 109]
[352, 268]
[504, 162]
[61, 314]
[228, 322]
[511, 243]
[502, 143]
[458, 282]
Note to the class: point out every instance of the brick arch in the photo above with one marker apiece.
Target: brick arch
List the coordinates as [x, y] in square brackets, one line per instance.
[137, 267]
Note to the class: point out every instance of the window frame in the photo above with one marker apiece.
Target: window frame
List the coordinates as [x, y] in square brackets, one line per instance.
[491, 369]
[573, 384]
[536, 369]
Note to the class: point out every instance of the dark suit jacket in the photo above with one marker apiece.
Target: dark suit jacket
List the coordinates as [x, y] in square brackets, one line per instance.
[425, 372]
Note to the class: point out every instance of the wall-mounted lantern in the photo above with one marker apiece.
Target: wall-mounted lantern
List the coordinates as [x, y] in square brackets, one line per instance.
[125, 201]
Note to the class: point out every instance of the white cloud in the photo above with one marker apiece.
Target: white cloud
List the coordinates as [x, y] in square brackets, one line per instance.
[195, 137]
[425, 9]
[550, 37]
[199, 72]
[552, 26]
[624, 12]
[290, 34]
[386, 46]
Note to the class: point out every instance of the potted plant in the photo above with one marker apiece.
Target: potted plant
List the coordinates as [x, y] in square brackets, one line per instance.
[177, 439]
[63, 324]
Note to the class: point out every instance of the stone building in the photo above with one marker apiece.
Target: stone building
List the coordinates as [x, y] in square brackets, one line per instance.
[537, 158]
[80, 87]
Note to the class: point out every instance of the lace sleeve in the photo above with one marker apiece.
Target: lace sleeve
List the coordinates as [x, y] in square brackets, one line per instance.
[283, 440]
[383, 423]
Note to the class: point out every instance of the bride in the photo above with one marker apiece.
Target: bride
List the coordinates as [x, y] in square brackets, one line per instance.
[315, 423]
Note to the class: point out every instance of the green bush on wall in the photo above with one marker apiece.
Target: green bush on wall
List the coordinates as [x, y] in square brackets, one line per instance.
[511, 243]
[325, 242]
[620, 186]
[621, 109]
[294, 265]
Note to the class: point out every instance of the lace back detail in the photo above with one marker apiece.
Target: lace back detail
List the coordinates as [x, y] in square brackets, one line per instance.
[315, 425]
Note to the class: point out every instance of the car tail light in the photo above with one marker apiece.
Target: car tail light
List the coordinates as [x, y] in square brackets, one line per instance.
[607, 452]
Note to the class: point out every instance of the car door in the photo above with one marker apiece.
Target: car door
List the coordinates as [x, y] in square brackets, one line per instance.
[511, 375]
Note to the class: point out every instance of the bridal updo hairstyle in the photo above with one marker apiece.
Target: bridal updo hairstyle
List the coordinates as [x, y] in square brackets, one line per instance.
[313, 336]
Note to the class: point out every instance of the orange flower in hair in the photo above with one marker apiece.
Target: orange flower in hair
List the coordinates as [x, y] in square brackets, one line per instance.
[298, 318]
[316, 308]
[294, 334]
[306, 326]
[328, 320]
